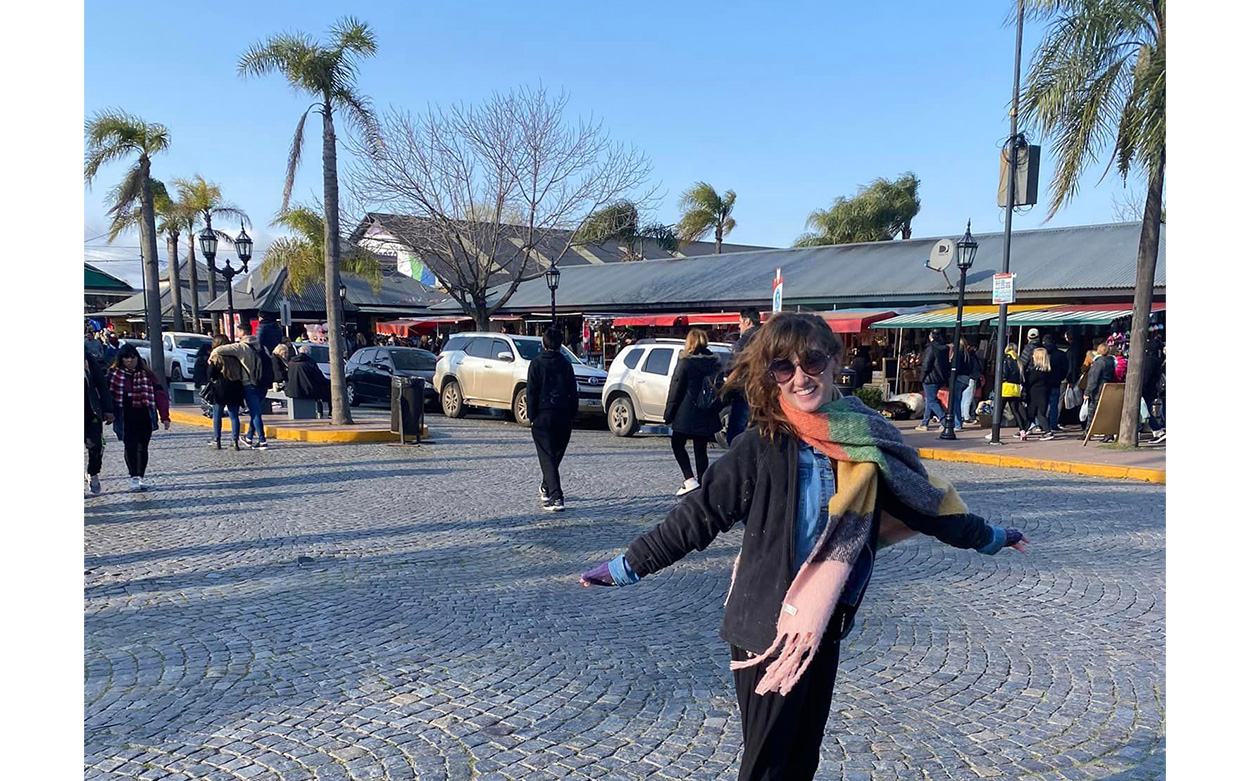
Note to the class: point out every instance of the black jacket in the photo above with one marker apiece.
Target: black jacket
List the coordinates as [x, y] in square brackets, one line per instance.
[681, 412]
[1038, 381]
[200, 375]
[756, 482]
[1100, 373]
[99, 400]
[862, 366]
[304, 380]
[1075, 360]
[551, 386]
[935, 365]
[269, 335]
[1058, 366]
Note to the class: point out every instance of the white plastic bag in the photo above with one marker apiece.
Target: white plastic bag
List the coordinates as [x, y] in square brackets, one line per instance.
[1084, 414]
[1145, 414]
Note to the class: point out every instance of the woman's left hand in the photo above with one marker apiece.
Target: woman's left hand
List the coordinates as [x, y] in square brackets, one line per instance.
[1017, 540]
[165, 423]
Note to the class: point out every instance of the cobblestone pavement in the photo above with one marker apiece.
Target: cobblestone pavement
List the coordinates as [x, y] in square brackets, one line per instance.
[371, 612]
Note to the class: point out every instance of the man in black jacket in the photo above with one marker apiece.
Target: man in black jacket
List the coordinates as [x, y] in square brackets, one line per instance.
[98, 412]
[551, 401]
[304, 380]
[1058, 374]
[935, 372]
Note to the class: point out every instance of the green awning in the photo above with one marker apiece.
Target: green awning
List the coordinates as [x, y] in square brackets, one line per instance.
[945, 318]
[1080, 314]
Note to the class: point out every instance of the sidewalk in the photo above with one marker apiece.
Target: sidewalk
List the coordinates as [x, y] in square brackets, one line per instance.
[369, 426]
[1062, 454]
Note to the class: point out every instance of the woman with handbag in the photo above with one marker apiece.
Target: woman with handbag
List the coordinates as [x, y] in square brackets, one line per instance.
[1013, 390]
[820, 483]
[224, 390]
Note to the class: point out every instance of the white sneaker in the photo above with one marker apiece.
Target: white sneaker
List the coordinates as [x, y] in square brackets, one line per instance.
[688, 486]
[143, 484]
[136, 484]
[93, 483]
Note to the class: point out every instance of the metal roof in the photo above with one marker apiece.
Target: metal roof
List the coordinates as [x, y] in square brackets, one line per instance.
[1053, 264]
[399, 294]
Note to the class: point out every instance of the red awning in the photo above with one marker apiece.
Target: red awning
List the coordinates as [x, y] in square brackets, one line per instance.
[714, 318]
[855, 322]
[650, 320]
[398, 327]
[416, 326]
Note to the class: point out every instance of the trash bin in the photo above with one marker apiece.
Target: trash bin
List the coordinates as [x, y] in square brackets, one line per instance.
[407, 406]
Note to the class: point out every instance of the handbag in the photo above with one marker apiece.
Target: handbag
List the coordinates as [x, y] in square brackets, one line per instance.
[1012, 390]
[1072, 398]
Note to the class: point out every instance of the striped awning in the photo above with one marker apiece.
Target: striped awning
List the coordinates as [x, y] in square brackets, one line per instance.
[1078, 314]
[945, 318]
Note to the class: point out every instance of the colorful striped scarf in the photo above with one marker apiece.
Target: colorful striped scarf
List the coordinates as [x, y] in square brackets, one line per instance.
[138, 382]
[865, 447]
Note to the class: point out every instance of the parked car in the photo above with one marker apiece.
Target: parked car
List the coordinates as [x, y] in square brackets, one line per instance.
[370, 369]
[638, 379]
[180, 348]
[482, 369]
[320, 353]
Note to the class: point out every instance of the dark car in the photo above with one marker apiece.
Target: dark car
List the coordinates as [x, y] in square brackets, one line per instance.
[369, 372]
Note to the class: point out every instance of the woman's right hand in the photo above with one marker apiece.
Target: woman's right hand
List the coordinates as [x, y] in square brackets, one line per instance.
[599, 576]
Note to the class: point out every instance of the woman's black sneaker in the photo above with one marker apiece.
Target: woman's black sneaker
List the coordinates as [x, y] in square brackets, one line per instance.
[554, 505]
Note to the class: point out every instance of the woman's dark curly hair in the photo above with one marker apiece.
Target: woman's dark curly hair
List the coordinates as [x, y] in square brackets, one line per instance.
[786, 334]
[128, 351]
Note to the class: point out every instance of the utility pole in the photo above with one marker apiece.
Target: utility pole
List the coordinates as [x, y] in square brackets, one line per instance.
[1013, 143]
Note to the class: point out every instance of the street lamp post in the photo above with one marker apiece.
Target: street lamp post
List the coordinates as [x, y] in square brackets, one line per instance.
[965, 253]
[242, 246]
[553, 282]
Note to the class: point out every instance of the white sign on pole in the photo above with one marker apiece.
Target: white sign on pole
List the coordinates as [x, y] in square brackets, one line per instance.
[777, 292]
[284, 311]
[1004, 289]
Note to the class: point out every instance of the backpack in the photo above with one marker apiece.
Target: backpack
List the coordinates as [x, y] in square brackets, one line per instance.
[708, 397]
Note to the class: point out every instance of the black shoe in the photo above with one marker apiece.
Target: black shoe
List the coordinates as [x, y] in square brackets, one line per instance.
[543, 496]
[554, 505]
[236, 444]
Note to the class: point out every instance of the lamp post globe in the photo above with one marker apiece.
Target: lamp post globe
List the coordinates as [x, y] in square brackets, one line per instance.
[553, 282]
[243, 246]
[208, 244]
[965, 253]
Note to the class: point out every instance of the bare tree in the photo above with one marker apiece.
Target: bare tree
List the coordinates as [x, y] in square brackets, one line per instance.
[494, 194]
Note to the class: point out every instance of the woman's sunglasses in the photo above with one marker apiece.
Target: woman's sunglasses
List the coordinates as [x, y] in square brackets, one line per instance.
[813, 364]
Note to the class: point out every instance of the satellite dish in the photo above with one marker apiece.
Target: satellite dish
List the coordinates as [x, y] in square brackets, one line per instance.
[941, 255]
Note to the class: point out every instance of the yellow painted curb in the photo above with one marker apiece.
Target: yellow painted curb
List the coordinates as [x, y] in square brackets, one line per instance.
[303, 434]
[1046, 465]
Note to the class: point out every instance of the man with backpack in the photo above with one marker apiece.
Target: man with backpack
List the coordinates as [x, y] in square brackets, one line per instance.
[257, 379]
[551, 399]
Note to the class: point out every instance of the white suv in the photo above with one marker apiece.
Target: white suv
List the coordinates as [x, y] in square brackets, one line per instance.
[637, 388]
[180, 348]
[482, 369]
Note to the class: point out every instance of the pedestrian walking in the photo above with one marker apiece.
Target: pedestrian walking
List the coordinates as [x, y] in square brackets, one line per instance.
[98, 412]
[224, 390]
[935, 372]
[1013, 389]
[1152, 387]
[813, 481]
[199, 375]
[1038, 384]
[257, 370]
[139, 403]
[269, 332]
[861, 365]
[739, 412]
[1058, 378]
[1101, 372]
[693, 407]
[551, 400]
[969, 369]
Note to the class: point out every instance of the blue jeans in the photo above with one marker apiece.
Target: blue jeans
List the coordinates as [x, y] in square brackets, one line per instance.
[235, 428]
[932, 407]
[961, 385]
[255, 403]
[1053, 409]
[965, 397]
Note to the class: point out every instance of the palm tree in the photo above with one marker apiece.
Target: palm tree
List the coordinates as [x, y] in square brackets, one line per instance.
[112, 134]
[172, 222]
[878, 212]
[620, 221]
[1098, 77]
[328, 73]
[303, 254]
[201, 200]
[703, 210]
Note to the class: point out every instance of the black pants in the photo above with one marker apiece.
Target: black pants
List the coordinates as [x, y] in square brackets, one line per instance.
[1017, 411]
[1039, 409]
[551, 438]
[95, 444]
[136, 434]
[781, 736]
[683, 460]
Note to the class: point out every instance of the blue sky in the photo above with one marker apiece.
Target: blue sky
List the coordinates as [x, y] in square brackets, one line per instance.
[788, 103]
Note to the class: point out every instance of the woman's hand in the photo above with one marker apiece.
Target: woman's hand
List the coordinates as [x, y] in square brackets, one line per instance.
[599, 576]
[165, 423]
[1017, 540]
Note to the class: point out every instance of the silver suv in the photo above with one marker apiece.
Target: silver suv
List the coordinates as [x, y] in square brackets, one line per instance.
[638, 379]
[482, 369]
